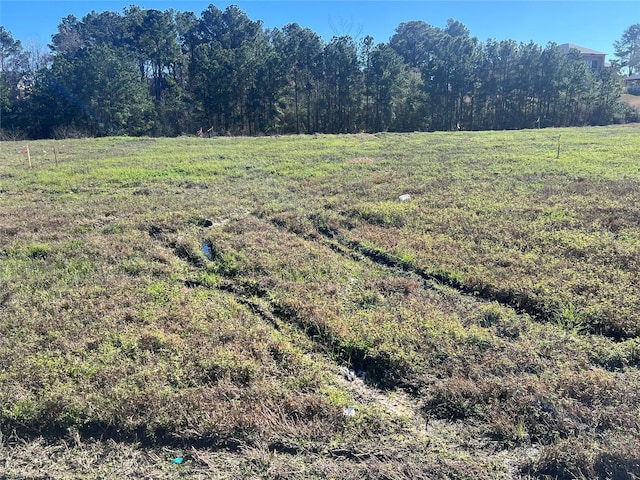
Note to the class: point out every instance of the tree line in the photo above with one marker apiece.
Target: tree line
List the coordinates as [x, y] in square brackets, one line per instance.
[166, 73]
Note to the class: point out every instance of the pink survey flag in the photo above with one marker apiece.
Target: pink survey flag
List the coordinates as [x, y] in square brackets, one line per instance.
[24, 149]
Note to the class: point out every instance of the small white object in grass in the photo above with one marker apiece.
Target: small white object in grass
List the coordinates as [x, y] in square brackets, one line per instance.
[349, 412]
[348, 373]
[404, 198]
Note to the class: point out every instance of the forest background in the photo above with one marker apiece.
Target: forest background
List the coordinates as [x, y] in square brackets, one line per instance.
[167, 73]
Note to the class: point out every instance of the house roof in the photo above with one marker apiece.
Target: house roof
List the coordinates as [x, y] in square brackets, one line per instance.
[565, 47]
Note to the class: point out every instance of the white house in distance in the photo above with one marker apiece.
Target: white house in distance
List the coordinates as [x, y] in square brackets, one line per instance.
[594, 59]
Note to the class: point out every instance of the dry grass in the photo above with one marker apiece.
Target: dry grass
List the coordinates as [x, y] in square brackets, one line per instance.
[357, 160]
[493, 315]
[633, 100]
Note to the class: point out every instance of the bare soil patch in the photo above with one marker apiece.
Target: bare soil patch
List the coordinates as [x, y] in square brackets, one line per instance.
[633, 100]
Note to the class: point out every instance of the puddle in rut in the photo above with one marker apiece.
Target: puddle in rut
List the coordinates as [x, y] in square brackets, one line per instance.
[207, 251]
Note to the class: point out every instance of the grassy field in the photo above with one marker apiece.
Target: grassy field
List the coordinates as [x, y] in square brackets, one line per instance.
[427, 305]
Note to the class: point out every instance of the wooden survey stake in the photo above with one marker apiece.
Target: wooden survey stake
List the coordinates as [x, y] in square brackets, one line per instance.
[26, 149]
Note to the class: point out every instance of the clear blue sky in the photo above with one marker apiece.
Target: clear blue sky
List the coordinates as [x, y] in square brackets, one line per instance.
[593, 24]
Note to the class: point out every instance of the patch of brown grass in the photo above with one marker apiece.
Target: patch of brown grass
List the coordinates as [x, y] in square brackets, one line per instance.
[360, 160]
[633, 100]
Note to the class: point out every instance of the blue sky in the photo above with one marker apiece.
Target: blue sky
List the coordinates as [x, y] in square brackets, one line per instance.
[593, 24]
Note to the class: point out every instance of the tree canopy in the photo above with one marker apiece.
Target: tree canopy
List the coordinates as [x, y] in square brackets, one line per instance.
[151, 72]
[627, 49]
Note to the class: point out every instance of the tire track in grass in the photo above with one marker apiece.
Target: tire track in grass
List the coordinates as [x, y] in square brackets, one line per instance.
[314, 227]
[512, 460]
[396, 402]
[358, 251]
[393, 400]
[521, 303]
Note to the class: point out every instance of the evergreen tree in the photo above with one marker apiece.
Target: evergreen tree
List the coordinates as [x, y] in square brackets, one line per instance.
[301, 51]
[627, 49]
[147, 71]
[342, 85]
[95, 92]
[386, 79]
